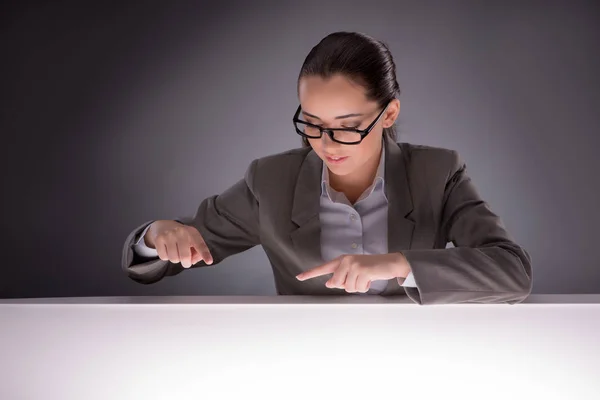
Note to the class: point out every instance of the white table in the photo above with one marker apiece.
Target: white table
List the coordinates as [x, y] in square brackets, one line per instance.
[298, 348]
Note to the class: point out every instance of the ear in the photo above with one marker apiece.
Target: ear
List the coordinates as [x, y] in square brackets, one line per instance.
[391, 114]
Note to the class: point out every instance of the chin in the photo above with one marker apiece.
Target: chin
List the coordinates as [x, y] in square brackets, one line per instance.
[340, 169]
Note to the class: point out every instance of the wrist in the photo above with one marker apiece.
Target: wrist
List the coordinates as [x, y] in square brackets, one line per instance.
[149, 237]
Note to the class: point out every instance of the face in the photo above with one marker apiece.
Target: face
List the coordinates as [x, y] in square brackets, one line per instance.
[326, 99]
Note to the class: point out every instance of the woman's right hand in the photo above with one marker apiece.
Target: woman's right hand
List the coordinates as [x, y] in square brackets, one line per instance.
[176, 243]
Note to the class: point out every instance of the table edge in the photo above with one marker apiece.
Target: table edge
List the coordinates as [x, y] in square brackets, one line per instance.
[240, 300]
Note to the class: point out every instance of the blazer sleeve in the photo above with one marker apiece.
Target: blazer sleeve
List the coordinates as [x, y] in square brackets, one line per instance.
[485, 266]
[228, 222]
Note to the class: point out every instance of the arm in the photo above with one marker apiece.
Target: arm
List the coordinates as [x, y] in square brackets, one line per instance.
[228, 223]
[485, 266]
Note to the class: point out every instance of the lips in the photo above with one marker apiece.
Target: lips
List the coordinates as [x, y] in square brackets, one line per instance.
[335, 159]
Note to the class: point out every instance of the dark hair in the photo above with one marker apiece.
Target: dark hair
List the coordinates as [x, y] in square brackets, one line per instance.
[360, 57]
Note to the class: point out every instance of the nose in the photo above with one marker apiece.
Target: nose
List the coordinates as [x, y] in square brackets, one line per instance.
[328, 144]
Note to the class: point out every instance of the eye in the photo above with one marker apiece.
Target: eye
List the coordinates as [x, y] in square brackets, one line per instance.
[351, 127]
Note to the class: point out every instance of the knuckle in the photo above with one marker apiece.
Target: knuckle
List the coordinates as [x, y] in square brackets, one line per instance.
[178, 233]
[169, 232]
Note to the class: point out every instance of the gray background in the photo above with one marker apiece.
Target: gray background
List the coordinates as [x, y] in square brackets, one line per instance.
[114, 116]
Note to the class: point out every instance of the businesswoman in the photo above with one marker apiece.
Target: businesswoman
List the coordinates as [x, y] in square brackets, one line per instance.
[352, 211]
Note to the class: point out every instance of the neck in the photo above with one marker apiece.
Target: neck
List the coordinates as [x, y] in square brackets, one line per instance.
[355, 183]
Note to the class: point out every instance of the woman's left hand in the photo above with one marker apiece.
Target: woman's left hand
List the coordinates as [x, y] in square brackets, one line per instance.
[354, 272]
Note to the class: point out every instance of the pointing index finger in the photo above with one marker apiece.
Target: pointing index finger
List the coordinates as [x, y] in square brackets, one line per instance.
[320, 270]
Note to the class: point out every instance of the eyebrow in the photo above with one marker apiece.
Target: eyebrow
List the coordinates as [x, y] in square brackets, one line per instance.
[338, 117]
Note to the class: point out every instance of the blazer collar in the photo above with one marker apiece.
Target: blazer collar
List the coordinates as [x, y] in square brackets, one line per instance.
[306, 204]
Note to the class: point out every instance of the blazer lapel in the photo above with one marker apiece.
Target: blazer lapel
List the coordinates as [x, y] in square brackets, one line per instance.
[400, 205]
[305, 212]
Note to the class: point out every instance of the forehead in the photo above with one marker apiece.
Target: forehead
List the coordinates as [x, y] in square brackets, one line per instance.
[329, 97]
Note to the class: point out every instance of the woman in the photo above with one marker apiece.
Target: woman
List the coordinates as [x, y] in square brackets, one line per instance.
[352, 211]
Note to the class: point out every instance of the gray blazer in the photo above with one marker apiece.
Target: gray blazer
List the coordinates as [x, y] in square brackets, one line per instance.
[432, 201]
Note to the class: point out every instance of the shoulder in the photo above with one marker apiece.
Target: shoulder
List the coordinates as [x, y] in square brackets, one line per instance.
[278, 167]
[437, 160]
[284, 162]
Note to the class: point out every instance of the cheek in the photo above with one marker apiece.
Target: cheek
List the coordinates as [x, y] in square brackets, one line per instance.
[314, 143]
[364, 151]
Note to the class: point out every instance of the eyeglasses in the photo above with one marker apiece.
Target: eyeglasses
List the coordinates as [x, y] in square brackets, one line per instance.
[339, 135]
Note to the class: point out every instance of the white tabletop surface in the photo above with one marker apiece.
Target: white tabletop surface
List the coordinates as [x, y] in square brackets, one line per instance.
[281, 347]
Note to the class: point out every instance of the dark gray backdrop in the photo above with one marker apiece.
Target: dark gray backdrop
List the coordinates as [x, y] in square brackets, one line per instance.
[113, 116]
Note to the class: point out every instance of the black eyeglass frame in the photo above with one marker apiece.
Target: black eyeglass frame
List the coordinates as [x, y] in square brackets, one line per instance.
[330, 131]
